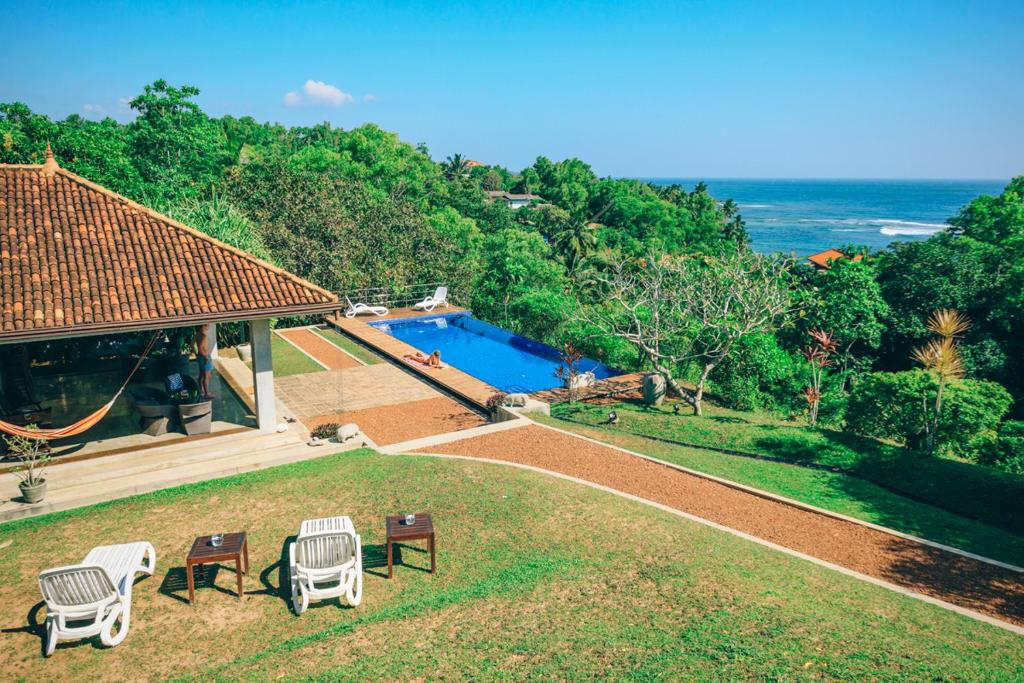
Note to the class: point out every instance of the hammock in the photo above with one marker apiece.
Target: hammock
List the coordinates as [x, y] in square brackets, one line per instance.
[86, 422]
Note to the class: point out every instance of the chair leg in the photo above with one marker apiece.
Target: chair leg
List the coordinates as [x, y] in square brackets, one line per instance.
[107, 637]
[50, 643]
[354, 593]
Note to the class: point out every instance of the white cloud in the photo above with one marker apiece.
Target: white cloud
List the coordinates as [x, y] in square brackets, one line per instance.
[94, 109]
[318, 93]
[369, 97]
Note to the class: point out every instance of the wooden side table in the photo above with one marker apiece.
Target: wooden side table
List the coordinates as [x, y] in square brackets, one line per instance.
[235, 547]
[398, 530]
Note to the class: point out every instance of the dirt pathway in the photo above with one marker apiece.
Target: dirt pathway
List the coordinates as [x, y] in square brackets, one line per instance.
[321, 349]
[948, 576]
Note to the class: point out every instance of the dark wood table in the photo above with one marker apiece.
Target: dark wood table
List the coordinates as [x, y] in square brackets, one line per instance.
[398, 530]
[235, 547]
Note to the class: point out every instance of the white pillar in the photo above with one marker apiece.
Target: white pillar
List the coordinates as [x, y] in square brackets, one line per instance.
[263, 375]
[211, 334]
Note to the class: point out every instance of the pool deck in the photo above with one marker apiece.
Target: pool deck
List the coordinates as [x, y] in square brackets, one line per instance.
[466, 387]
[620, 384]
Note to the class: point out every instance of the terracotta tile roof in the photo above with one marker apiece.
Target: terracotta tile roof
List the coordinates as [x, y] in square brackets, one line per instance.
[76, 258]
[822, 259]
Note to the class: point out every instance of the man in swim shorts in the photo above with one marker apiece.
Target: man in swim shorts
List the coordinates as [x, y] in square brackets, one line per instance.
[202, 345]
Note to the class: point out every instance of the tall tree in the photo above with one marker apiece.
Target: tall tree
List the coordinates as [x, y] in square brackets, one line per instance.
[177, 148]
[690, 309]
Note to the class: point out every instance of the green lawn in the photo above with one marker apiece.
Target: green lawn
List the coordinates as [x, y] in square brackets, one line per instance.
[288, 360]
[360, 352]
[857, 496]
[537, 578]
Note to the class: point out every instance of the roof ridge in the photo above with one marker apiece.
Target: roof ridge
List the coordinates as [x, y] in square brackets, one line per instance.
[189, 229]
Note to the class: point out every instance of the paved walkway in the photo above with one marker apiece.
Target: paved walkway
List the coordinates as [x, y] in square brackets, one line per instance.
[922, 568]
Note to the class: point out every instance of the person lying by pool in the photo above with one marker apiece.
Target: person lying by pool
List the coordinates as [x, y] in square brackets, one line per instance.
[431, 361]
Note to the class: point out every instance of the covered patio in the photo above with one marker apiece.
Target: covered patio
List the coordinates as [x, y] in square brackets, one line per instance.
[101, 297]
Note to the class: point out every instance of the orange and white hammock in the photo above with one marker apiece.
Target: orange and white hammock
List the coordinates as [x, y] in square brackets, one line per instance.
[86, 422]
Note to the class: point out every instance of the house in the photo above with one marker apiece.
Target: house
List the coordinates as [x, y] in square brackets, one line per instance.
[473, 163]
[78, 260]
[822, 260]
[512, 200]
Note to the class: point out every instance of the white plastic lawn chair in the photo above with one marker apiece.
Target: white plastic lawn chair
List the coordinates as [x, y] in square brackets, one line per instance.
[440, 298]
[326, 561]
[97, 592]
[358, 309]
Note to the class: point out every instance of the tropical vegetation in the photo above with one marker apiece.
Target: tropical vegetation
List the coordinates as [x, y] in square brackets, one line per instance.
[641, 276]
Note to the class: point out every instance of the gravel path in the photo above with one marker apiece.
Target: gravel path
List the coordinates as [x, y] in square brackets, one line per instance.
[406, 421]
[321, 349]
[948, 576]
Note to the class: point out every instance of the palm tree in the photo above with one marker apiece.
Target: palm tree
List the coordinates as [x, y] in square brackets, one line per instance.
[942, 356]
[455, 166]
[574, 242]
[733, 226]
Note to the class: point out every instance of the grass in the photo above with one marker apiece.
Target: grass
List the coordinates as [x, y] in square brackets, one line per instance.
[856, 496]
[537, 578]
[288, 360]
[357, 350]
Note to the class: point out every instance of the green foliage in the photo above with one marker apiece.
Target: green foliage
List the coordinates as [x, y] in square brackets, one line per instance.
[177, 149]
[338, 233]
[847, 300]
[971, 413]
[891, 405]
[1005, 449]
[520, 286]
[896, 405]
[759, 374]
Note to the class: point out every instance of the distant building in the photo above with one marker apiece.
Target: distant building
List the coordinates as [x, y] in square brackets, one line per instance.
[512, 200]
[472, 163]
[823, 260]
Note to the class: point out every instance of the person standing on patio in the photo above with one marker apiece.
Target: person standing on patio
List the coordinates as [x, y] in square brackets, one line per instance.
[202, 345]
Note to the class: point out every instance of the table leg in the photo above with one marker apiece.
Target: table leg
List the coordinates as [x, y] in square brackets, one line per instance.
[389, 559]
[245, 550]
[238, 574]
[431, 553]
[189, 568]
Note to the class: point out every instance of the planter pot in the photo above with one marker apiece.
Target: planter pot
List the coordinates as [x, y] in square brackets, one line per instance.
[33, 494]
[196, 418]
[244, 352]
[653, 389]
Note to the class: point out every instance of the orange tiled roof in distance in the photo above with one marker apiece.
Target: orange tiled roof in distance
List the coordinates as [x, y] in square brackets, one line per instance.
[76, 258]
[822, 259]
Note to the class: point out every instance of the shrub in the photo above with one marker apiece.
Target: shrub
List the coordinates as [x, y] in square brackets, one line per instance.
[759, 374]
[890, 405]
[972, 411]
[1005, 450]
[327, 430]
[896, 405]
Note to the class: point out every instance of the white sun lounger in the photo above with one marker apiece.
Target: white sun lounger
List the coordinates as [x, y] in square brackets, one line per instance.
[98, 592]
[326, 561]
[358, 309]
[440, 298]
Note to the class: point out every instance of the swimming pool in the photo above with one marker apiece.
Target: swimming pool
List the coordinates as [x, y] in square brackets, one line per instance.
[496, 356]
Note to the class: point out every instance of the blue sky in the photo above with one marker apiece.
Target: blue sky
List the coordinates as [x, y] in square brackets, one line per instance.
[715, 89]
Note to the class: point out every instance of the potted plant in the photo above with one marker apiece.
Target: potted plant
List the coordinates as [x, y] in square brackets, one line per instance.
[244, 352]
[196, 415]
[321, 434]
[494, 402]
[34, 456]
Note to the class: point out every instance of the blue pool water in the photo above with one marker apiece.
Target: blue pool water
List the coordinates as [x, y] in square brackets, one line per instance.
[496, 356]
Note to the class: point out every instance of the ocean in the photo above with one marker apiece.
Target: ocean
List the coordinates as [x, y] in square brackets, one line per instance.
[808, 216]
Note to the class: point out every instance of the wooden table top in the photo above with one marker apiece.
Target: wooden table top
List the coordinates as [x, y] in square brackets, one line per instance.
[397, 528]
[202, 550]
